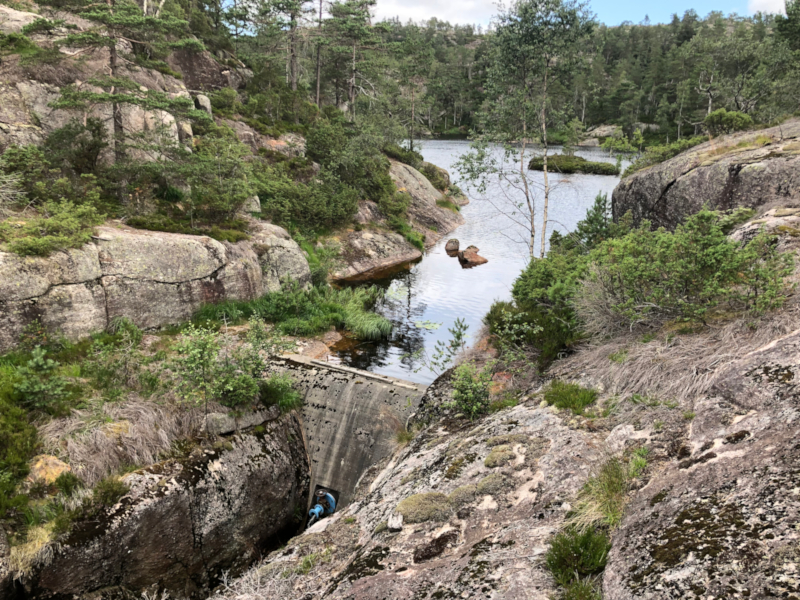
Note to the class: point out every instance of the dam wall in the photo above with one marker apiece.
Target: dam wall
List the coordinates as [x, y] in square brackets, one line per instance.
[350, 418]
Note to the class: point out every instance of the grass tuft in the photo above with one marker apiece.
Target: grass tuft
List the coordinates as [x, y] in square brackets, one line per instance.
[575, 555]
[569, 395]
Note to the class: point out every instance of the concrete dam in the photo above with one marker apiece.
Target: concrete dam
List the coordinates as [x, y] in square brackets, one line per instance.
[350, 419]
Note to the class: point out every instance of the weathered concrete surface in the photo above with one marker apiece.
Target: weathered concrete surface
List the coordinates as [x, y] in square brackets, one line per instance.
[185, 521]
[350, 419]
[152, 278]
[726, 172]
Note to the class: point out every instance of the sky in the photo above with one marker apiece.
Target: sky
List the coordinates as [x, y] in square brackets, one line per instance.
[610, 12]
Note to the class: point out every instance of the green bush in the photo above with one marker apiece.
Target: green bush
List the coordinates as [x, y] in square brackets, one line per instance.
[649, 277]
[569, 396]
[421, 508]
[583, 589]
[76, 147]
[68, 483]
[227, 231]
[18, 443]
[234, 389]
[434, 175]
[561, 163]
[279, 390]
[61, 226]
[409, 157]
[109, 491]
[574, 555]
[471, 390]
[722, 121]
[38, 386]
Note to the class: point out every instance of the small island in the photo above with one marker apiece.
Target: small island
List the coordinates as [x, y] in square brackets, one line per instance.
[563, 163]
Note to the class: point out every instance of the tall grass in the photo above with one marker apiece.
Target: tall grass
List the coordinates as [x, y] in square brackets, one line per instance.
[307, 312]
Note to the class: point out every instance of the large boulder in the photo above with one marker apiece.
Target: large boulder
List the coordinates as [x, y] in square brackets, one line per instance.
[152, 278]
[469, 258]
[280, 257]
[757, 169]
[185, 521]
[366, 253]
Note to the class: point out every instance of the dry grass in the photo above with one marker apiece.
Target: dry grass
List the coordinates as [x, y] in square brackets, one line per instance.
[270, 582]
[107, 438]
[674, 367]
[38, 550]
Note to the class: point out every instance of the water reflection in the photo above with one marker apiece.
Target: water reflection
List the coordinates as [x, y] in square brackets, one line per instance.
[436, 290]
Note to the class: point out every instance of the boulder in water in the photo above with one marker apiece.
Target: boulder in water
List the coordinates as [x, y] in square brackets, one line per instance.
[451, 247]
[470, 258]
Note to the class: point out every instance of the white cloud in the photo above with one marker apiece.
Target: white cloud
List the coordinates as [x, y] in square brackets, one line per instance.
[766, 6]
[461, 11]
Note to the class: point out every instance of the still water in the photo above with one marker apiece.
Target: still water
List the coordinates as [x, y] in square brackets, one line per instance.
[424, 299]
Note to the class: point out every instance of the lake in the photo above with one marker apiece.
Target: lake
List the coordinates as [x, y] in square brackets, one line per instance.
[424, 299]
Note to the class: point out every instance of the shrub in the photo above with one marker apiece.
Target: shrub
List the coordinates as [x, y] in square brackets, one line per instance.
[448, 204]
[463, 495]
[234, 389]
[722, 121]
[499, 456]
[68, 483]
[62, 225]
[18, 443]
[109, 491]
[494, 484]
[471, 390]
[649, 277]
[569, 396]
[409, 157]
[420, 508]
[76, 147]
[574, 555]
[308, 312]
[38, 386]
[435, 175]
[583, 589]
[279, 390]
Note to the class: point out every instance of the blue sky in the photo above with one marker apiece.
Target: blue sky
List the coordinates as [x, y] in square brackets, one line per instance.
[611, 12]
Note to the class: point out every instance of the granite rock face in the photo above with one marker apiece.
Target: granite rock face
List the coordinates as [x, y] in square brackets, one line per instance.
[368, 252]
[152, 278]
[428, 218]
[445, 518]
[722, 522]
[185, 521]
[758, 169]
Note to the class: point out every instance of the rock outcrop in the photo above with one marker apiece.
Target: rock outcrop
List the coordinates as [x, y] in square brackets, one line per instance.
[366, 253]
[430, 219]
[464, 511]
[722, 522]
[757, 169]
[185, 521]
[152, 278]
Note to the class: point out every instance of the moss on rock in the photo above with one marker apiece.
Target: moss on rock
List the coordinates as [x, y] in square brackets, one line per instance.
[463, 495]
[419, 508]
[494, 484]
